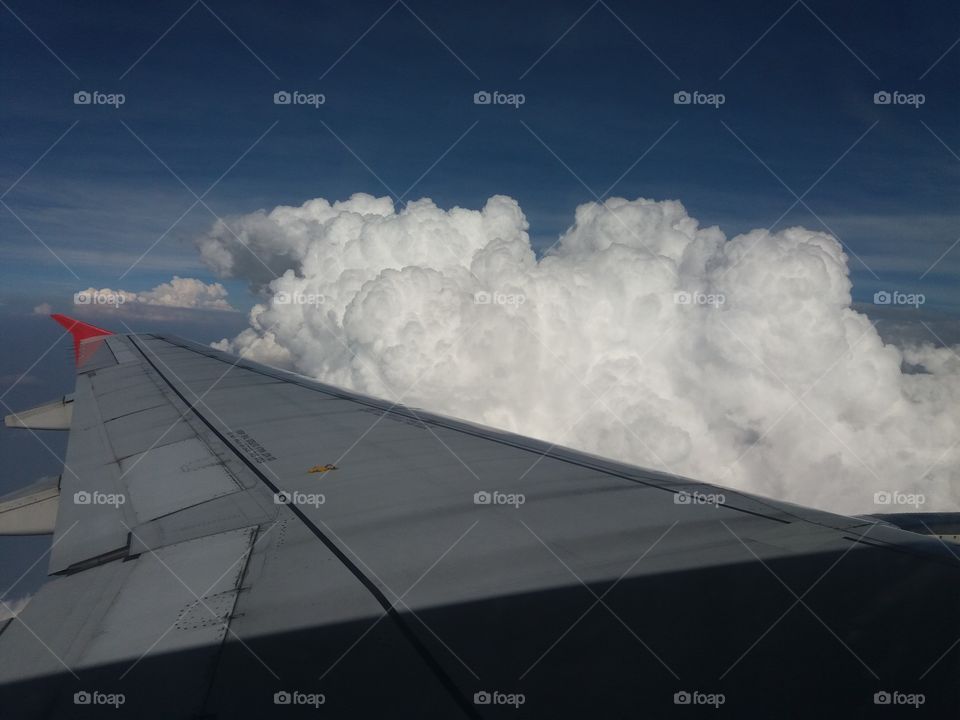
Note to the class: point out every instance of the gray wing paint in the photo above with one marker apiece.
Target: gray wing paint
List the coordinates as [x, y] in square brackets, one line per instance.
[399, 574]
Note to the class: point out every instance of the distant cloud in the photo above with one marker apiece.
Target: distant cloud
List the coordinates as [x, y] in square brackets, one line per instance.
[187, 293]
[184, 293]
[43, 309]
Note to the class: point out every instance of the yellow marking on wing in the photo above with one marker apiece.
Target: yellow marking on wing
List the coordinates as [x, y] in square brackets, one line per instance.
[322, 468]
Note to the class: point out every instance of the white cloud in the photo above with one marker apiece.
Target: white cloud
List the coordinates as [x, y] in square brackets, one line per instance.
[43, 309]
[766, 380]
[178, 293]
[187, 293]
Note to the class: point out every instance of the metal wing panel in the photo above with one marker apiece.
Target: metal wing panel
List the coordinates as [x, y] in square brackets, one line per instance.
[139, 431]
[303, 613]
[135, 455]
[182, 594]
[119, 402]
[91, 632]
[89, 480]
[172, 477]
[400, 504]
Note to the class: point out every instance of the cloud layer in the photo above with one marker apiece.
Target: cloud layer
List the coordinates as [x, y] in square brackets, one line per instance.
[640, 336]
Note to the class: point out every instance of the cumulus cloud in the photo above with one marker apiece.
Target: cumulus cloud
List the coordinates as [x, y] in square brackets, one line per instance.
[178, 293]
[641, 336]
[43, 309]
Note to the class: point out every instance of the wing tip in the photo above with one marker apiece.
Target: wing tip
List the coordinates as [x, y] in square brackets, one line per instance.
[80, 331]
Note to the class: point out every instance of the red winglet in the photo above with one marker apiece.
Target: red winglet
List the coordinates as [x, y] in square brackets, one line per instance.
[81, 331]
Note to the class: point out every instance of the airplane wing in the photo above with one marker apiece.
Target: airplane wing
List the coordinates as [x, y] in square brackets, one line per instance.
[232, 540]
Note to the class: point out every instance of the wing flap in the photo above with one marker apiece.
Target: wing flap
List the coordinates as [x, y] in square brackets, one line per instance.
[54, 415]
[31, 510]
[98, 630]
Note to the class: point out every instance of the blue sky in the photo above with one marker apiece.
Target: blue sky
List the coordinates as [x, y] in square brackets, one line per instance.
[198, 79]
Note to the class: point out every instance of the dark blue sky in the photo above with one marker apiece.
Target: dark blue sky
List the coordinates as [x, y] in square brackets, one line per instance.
[199, 82]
